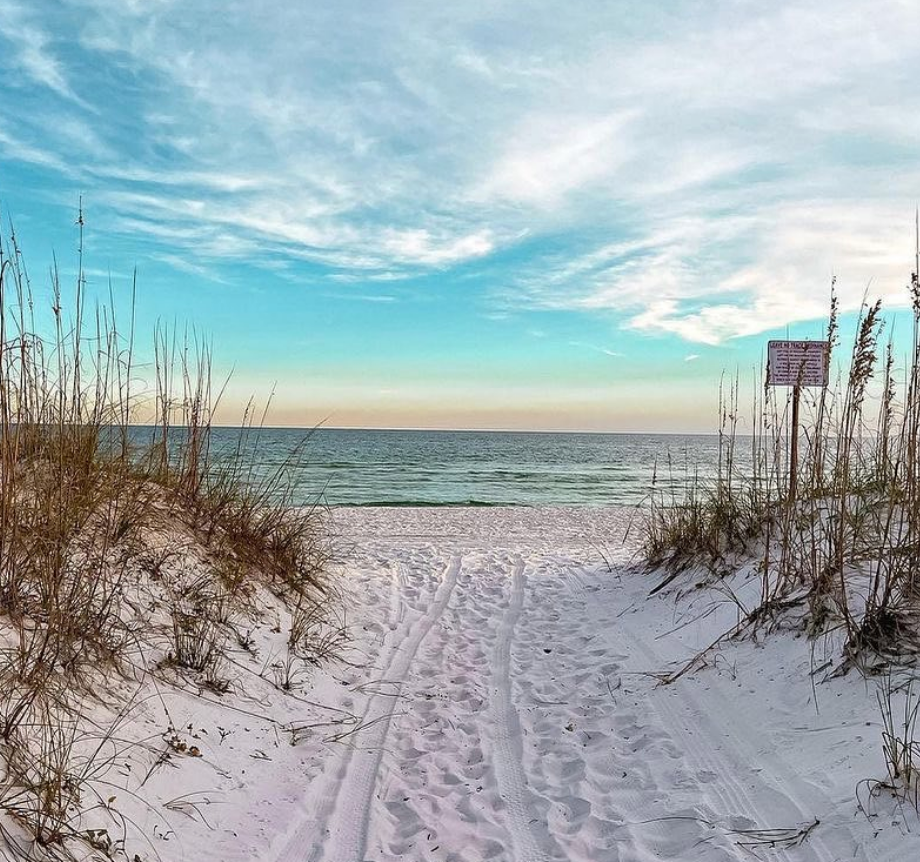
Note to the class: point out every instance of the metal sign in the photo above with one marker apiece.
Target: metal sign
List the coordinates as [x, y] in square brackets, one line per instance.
[797, 363]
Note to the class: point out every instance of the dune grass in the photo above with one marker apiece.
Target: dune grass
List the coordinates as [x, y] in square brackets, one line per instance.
[91, 519]
[848, 545]
[841, 558]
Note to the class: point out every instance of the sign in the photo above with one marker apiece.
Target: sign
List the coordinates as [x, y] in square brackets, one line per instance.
[797, 363]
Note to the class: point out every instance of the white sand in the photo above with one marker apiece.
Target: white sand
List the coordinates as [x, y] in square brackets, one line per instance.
[506, 711]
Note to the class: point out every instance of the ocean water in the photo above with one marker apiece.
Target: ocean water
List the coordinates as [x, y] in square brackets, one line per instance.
[437, 468]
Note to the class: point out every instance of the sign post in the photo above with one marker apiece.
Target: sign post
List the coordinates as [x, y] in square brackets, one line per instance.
[797, 364]
[794, 445]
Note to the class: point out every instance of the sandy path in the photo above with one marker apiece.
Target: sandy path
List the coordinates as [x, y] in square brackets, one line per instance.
[510, 718]
[529, 834]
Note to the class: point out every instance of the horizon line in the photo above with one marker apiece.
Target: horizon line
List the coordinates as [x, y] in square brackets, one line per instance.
[321, 427]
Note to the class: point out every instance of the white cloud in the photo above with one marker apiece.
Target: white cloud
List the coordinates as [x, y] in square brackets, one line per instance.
[596, 347]
[553, 156]
[420, 246]
[29, 46]
[13, 148]
[708, 280]
[364, 297]
[698, 170]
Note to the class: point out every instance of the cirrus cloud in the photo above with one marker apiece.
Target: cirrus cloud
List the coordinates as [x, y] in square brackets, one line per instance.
[698, 171]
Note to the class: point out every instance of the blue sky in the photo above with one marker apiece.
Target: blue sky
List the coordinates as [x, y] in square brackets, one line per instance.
[505, 214]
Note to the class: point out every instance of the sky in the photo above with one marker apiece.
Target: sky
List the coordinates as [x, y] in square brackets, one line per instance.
[514, 214]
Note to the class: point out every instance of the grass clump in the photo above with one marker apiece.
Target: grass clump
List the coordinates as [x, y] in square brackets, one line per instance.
[99, 528]
[846, 544]
[899, 736]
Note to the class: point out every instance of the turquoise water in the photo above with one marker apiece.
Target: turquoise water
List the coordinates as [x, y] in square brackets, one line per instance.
[362, 467]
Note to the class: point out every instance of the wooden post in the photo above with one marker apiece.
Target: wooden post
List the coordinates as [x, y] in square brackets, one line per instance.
[794, 447]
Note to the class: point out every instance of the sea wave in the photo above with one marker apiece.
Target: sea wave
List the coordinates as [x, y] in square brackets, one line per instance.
[429, 504]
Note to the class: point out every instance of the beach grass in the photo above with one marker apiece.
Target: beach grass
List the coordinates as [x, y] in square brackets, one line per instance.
[847, 544]
[114, 550]
[838, 559]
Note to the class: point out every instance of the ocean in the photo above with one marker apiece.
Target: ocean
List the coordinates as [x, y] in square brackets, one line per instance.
[472, 468]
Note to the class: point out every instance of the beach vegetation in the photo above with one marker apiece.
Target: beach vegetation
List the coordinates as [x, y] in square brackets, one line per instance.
[845, 544]
[837, 553]
[124, 551]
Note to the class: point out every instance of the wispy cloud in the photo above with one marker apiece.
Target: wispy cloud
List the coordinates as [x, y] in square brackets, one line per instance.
[596, 347]
[553, 156]
[708, 278]
[363, 297]
[13, 148]
[698, 171]
[184, 264]
[29, 49]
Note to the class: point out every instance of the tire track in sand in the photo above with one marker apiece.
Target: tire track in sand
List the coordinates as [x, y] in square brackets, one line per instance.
[724, 755]
[528, 832]
[344, 827]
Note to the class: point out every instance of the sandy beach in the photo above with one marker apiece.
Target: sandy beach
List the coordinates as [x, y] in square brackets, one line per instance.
[459, 432]
[500, 699]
